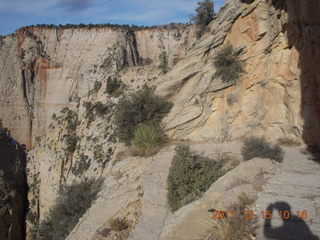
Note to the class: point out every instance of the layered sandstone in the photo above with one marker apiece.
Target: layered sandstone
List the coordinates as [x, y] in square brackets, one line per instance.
[276, 97]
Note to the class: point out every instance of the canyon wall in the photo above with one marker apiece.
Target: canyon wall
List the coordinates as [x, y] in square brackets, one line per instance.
[42, 68]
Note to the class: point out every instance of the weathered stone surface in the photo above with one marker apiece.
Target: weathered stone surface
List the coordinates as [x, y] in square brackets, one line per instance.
[296, 185]
[270, 99]
[192, 220]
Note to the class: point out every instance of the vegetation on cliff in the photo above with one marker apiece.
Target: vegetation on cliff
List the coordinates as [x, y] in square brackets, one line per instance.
[204, 14]
[72, 203]
[142, 107]
[147, 140]
[190, 175]
[227, 63]
[13, 187]
[258, 147]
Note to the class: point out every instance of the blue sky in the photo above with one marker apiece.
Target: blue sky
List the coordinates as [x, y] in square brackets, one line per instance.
[17, 13]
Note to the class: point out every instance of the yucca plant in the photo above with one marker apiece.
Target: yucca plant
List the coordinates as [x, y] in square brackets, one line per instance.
[147, 140]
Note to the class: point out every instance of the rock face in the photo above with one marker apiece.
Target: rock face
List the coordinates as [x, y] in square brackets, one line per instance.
[13, 189]
[42, 68]
[275, 97]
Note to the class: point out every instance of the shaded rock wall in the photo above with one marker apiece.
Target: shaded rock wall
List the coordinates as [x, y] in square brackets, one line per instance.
[13, 189]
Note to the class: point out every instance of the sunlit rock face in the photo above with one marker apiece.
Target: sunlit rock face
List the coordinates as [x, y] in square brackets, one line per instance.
[42, 68]
[277, 96]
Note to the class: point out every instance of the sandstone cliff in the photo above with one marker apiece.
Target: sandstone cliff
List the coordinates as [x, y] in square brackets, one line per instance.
[279, 93]
[41, 68]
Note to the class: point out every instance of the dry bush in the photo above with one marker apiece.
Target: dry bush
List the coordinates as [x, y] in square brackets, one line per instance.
[235, 226]
[245, 201]
[118, 224]
[258, 147]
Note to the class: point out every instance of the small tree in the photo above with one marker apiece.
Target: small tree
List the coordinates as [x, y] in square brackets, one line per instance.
[205, 13]
[71, 205]
[227, 63]
[163, 58]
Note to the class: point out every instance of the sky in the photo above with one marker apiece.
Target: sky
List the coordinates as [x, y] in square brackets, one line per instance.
[17, 13]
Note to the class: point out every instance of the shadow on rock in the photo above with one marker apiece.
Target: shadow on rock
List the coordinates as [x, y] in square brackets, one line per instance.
[293, 226]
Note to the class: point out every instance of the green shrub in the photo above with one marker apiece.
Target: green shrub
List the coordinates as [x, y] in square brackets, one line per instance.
[93, 109]
[72, 203]
[227, 64]
[204, 14]
[98, 153]
[89, 115]
[258, 147]
[71, 141]
[113, 84]
[71, 117]
[100, 108]
[142, 107]
[96, 87]
[82, 165]
[190, 175]
[163, 58]
[147, 140]
[147, 61]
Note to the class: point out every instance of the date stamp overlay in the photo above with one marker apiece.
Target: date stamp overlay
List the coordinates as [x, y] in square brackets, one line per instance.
[287, 224]
[254, 214]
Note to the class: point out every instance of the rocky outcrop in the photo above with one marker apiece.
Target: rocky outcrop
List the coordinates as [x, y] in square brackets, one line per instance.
[271, 98]
[13, 188]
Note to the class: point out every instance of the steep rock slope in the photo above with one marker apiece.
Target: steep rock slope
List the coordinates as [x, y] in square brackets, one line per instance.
[278, 94]
[13, 188]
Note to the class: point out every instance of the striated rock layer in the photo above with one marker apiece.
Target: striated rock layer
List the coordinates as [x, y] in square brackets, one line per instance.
[277, 96]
